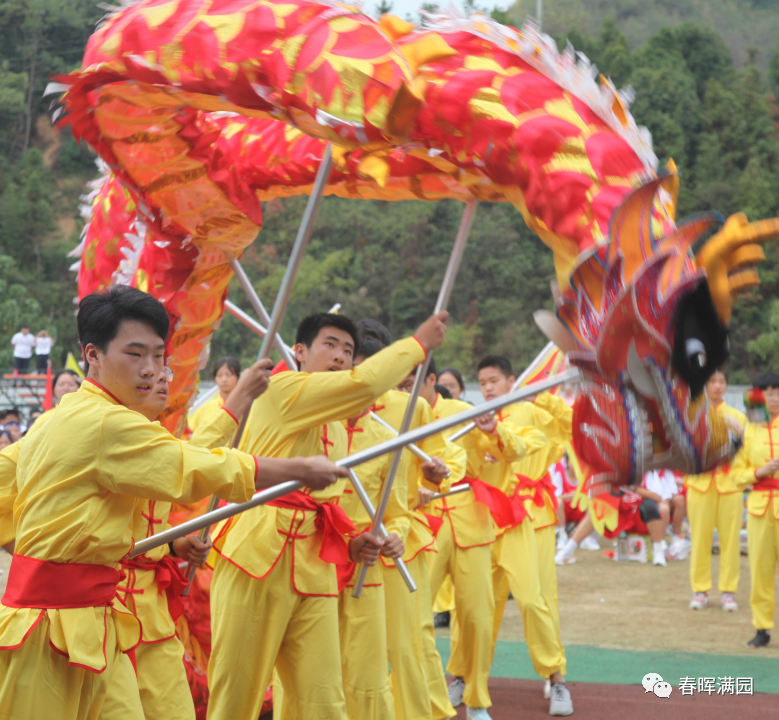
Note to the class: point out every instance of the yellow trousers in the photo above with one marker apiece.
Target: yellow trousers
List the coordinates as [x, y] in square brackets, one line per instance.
[162, 681]
[516, 568]
[763, 539]
[417, 678]
[706, 511]
[475, 602]
[37, 682]
[363, 628]
[444, 598]
[546, 542]
[256, 623]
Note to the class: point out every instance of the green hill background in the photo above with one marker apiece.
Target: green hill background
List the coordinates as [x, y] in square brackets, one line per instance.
[705, 76]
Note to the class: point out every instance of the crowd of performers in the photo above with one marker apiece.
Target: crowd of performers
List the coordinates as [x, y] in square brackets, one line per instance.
[88, 632]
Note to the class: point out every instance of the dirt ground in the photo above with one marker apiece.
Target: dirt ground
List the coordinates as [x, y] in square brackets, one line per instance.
[632, 606]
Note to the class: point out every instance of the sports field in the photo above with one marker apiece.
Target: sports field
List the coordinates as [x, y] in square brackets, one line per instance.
[620, 621]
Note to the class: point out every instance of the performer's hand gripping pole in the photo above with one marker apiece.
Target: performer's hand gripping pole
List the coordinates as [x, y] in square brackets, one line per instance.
[443, 300]
[282, 299]
[420, 433]
[471, 425]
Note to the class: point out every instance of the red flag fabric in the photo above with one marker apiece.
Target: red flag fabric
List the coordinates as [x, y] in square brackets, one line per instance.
[48, 399]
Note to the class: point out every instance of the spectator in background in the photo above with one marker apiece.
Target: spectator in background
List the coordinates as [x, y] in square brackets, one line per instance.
[65, 381]
[226, 372]
[11, 422]
[453, 381]
[35, 413]
[5, 439]
[43, 343]
[23, 343]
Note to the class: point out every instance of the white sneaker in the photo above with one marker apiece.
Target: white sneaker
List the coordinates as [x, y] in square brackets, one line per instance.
[560, 703]
[658, 553]
[547, 689]
[699, 601]
[477, 714]
[456, 690]
[562, 538]
[729, 603]
[566, 555]
[679, 549]
[590, 542]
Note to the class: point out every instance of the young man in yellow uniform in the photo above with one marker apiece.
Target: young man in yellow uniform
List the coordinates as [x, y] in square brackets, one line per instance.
[714, 500]
[274, 595]
[418, 681]
[362, 621]
[63, 630]
[757, 464]
[464, 548]
[516, 565]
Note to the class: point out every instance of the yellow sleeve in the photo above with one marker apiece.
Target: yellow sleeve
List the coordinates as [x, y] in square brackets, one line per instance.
[453, 455]
[510, 443]
[556, 420]
[216, 433]
[304, 400]
[8, 491]
[140, 458]
[742, 472]
[398, 517]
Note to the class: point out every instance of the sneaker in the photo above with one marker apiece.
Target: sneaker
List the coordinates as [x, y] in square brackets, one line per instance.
[590, 543]
[456, 690]
[658, 553]
[562, 538]
[762, 639]
[441, 620]
[729, 603]
[547, 689]
[566, 555]
[560, 704]
[477, 714]
[699, 601]
[679, 549]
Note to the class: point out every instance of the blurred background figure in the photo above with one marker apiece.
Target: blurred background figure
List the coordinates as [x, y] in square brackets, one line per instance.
[43, 343]
[5, 439]
[23, 343]
[453, 381]
[65, 381]
[226, 372]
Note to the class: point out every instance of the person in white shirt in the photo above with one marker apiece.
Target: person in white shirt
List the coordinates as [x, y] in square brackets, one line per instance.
[23, 343]
[663, 486]
[43, 343]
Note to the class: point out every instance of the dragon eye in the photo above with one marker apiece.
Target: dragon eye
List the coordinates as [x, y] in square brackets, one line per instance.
[696, 352]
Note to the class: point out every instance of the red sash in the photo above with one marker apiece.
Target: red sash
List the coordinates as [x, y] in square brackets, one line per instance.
[34, 583]
[435, 522]
[539, 488]
[170, 579]
[767, 484]
[331, 521]
[505, 511]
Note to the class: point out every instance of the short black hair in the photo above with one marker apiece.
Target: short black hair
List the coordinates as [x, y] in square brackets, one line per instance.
[373, 328]
[767, 380]
[101, 313]
[456, 374]
[310, 326]
[369, 346]
[232, 365]
[25, 325]
[10, 411]
[443, 392]
[496, 361]
[431, 368]
[65, 372]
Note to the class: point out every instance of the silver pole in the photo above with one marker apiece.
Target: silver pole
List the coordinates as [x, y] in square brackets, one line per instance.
[282, 299]
[454, 491]
[421, 454]
[368, 505]
[262, 313]
[540, 13]
[357, 458]
[204, 398]
[469, 213]
[470, 426]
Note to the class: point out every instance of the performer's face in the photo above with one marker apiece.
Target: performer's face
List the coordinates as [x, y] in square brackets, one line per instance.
[156, 402]
[772, 401]
[494, 383]
[716, 387]
[332, 349]
[131, 364]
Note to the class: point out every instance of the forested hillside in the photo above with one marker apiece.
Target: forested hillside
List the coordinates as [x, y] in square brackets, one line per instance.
[717, 118]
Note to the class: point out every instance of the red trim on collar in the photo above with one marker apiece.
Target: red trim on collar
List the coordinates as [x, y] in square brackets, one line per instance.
[110, 394]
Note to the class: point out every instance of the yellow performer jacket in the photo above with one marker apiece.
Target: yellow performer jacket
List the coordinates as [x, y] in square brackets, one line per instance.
[722, 477]
[80, 479]
[391, 407]
[761, 444]
[139, 591]
[300, 416]
[206, 413]
[471, 521]
[363, 433]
